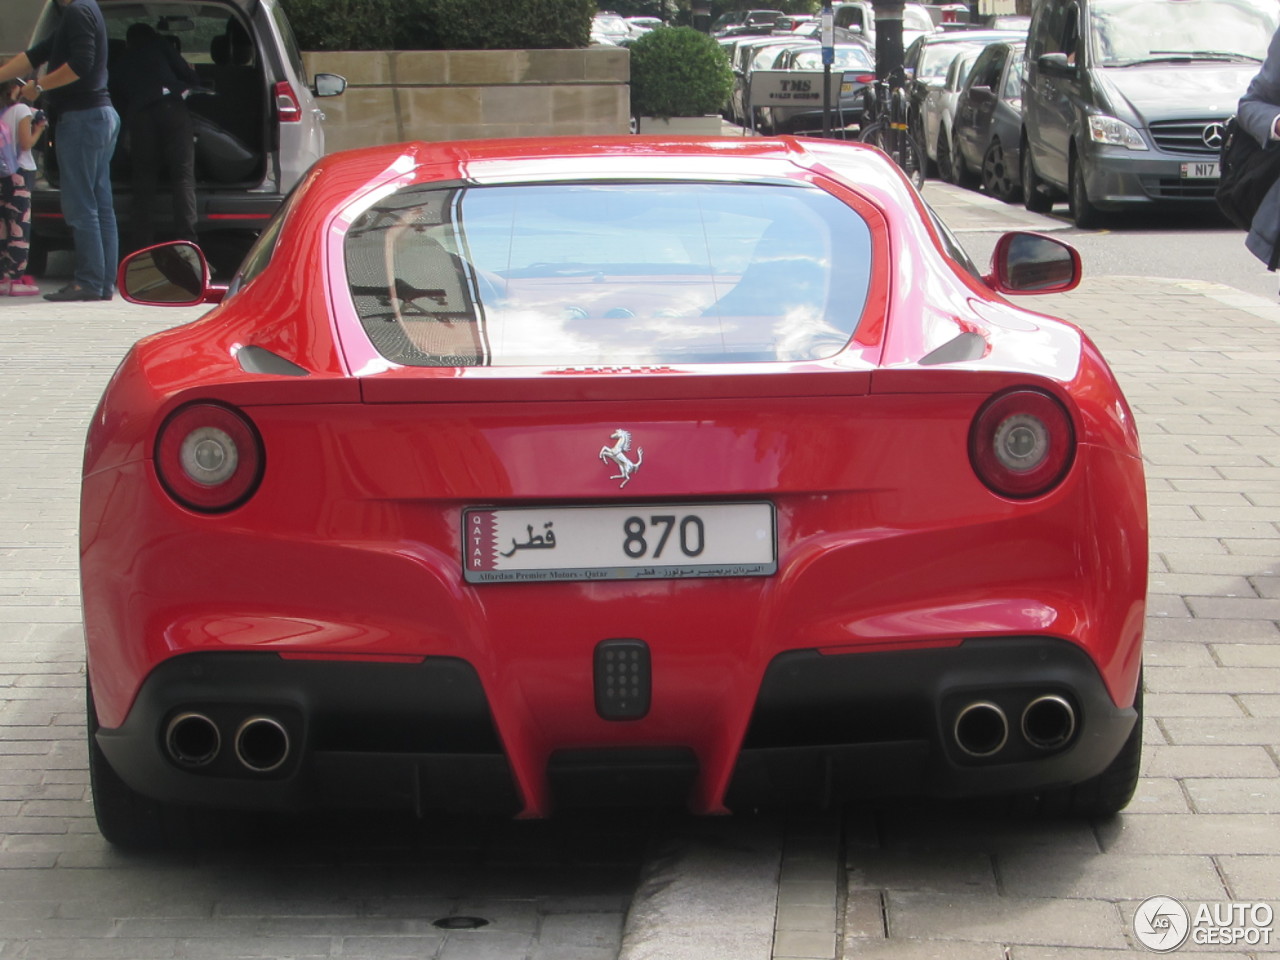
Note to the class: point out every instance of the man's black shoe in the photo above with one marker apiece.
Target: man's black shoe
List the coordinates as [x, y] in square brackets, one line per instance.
[73, 291]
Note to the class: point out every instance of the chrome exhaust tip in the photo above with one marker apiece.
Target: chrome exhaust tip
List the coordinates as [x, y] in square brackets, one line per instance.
[981, 729]
[192, 740]
[262, 744]
[1048, 722]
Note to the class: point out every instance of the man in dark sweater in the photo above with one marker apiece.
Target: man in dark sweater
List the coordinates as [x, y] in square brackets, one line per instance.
[86, 127]
[152, 81]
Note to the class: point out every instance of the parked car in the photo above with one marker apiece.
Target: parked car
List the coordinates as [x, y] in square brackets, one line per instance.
[610, 28]
[641, 25]
[793, 22]
[1125, 100]
[518, 475]
[856, 66]
[748, 54]
[860, 16]
[256, 135]
[937, 116]
[738, 22]
[988, 122]
[925, 62]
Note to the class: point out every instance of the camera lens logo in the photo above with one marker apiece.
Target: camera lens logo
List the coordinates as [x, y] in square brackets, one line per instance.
[1161, 924]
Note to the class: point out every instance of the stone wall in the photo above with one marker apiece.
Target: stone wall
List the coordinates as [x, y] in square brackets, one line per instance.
[393, 96]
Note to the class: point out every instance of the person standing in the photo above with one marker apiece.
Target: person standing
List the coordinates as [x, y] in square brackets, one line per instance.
[1259, 114]
[24, 129]
[153, 82]
[86, 127]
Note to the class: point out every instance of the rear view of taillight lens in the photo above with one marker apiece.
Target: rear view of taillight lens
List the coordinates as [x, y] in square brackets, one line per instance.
[209, 457]
[288, 109]
[1022, 443]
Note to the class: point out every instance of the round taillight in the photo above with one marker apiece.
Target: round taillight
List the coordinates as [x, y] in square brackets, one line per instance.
[209, 457]
[1022, 443]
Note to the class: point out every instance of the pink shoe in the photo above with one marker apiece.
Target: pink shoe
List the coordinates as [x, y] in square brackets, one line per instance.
[20, 288]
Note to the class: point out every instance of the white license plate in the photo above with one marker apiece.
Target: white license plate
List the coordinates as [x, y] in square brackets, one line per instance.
[1200, 171]
[636, 542]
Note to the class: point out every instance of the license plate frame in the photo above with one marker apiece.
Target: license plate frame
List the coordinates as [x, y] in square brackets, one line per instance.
[669, 541]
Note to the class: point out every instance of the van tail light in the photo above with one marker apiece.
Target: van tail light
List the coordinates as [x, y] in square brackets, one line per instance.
[209, 457]
[1022, 443]
[864, 78]
[287, 106]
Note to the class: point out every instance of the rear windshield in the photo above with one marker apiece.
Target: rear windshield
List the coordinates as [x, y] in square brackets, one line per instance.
[608, 273]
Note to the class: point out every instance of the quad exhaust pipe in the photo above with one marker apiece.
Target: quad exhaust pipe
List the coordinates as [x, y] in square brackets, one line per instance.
[1048, 722]
[981, 728]
[192, 740]
[261, 743]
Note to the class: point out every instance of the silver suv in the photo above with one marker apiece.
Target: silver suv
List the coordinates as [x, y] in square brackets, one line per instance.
[257, 131]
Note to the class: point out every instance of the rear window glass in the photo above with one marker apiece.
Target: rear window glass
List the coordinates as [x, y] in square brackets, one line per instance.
[608, 273]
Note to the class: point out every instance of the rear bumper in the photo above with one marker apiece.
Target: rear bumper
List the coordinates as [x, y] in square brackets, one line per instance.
[420, 736]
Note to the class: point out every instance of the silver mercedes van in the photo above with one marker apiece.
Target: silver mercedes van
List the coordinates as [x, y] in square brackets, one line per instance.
[1124, 100]
[257, 129]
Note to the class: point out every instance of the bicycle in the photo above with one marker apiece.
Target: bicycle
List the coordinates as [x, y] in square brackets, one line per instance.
[886, 127]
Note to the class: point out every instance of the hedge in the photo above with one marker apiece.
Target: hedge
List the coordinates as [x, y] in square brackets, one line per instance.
[441, 24]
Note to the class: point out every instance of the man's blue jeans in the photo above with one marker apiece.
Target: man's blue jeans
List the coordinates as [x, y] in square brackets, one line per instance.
[86, 140]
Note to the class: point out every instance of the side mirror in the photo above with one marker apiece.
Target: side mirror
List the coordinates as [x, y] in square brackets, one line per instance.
[981, 95]
[1056, 65]
[1033, 263]
[329, 84]
[168, 275]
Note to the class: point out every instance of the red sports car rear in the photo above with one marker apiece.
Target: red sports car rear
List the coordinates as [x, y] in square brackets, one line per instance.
[530, 474]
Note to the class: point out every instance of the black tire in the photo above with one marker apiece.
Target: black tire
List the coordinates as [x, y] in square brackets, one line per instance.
[1104, 795]
[946, 169]
[126, 818]
[1035, 193]
[964, 177]
[997, 178]
[1083, 212]
[930, 166]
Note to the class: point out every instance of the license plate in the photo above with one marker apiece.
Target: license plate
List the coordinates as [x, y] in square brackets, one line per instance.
[1200, 171]
[636, 542]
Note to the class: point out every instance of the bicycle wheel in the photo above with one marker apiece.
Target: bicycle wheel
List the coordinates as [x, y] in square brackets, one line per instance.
[902, 148]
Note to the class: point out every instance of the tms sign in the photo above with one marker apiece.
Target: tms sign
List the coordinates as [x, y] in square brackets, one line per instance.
[1162, 924]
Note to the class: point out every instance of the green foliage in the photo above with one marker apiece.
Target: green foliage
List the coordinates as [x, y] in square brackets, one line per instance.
[521, 24]
[678, 72]
[344, 24]
[441, 24]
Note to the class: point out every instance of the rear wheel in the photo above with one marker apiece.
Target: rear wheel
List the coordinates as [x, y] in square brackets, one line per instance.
[1035, 195]
[997, 177]
[125, 817]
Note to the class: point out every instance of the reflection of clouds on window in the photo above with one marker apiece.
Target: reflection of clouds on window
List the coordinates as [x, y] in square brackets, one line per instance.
[611, 273]
[1134, 30]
